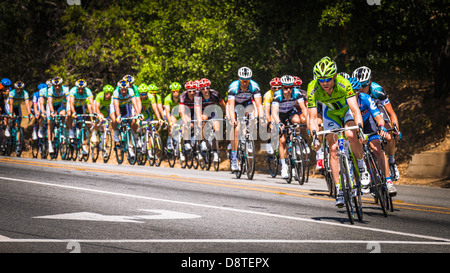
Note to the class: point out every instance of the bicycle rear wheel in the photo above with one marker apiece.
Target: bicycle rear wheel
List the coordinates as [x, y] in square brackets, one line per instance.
[95, 148]
[131, 148]
[298, 161]
[157, 150]
[215, 149]
[106, 145]
[377, 183]
[119, 149]
[35, 148]
[250, 156]
[171, 154]
[272, 163]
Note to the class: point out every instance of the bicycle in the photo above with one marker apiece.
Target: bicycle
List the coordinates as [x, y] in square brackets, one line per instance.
[246, 151]
[103, 142]
[377, 184]
[126, 142]
[177, 148]
[149, 144]
[60, 142]
[348, 182]
[297, 154]
[15, 142]
[40, 145]
[212, 147]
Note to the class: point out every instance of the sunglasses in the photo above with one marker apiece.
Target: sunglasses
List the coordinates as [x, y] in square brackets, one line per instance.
[364, 84]
[143, 94]
[287, 87]
[245, 81]
[191, 91]
[325, 80]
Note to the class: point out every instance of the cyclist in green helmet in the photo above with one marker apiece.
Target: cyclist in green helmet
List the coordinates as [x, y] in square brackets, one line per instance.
[171, 102]
[149, 104]
[340, 110]
[153, 89]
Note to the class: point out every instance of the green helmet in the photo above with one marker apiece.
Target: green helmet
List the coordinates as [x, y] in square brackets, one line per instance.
[325, 68]
[153, 88]
[143, 88]
[108, 88]
[175, 86]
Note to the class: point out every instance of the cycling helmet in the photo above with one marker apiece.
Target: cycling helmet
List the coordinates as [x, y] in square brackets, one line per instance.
[41, 86]
[189, 85]
[175, 86]
[5, 82]
[81, 83]
[204, 83]
[245, 73]
[49, 83]
[153, 88]
[108, 88]
[345, 75]
[363, 74]
[287, 80]
[356, 85]
[143, 88]
[129, 78]
[325, 68]
[57, 81]
[19, 84]
[275, 82]
[297, 81]
[122, 84]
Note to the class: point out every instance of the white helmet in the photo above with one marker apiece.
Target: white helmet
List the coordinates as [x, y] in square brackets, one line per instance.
[287, 80]
[345, 75]
[244, 73]
[363, 74]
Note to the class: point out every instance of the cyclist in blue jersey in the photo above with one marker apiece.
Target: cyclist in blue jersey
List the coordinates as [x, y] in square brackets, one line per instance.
[76, 102]
[284, 108]
[242, 92]
[364, 75]
[124, 105]
[374, 122]
[57, 95]
[38, 112]
[16, 98]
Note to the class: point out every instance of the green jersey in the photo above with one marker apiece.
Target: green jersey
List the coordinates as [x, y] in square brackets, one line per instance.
[100, 98]
[336, 103]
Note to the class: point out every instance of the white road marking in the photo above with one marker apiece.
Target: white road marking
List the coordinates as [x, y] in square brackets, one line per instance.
[90, 216]
[424, 237]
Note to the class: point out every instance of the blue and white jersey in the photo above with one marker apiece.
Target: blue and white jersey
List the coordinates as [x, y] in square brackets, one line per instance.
[377, 92]
[123, 100]
[240, 97]
[286, 105]
[60, 98]
[367, 106]
[80, 99]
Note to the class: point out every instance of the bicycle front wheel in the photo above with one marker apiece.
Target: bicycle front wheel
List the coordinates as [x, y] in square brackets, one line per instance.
[298, 161]
[131, 148]
[106, 146]
[157, 150]
[344, 175]
[376, 183]
[250, 156]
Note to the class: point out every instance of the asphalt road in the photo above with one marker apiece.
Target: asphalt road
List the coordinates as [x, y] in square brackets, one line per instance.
[57, 207]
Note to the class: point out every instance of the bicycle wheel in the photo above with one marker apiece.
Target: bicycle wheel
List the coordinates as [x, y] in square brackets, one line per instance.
[106, 145]
[131, 148]
[376, 182]
[43, 148]
[344, 174]
[289, 166]
[357, 202]
[240, 159]
[215, 149]
[95, 147]
[171, 154]
[157, 150]
[272, 163]
[64, 148]
[250, 156]
[35, 147]
[119, 149]
[298, 161]
[141, 149]
[84, 145]
[305, 160]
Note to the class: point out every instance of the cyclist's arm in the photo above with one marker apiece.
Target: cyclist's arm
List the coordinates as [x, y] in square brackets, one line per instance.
[50, 105]
[156, 110]
[312, 119]
[259, 107]
[27, 104]
[353, 105]
[304, 110]
[275, 113]
[231, 111]
[134, 101]
[392, 115]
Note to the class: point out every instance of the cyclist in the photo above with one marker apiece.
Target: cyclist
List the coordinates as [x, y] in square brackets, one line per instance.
[208, 97]
[150, 108]
[364, 75]
[130, 81]
[186, 109]
[284, 108]
[4, 107]
[57, 96]
[340, 109]
[171, 102]
[38, 112]
[124, 105]
[373, 122]
[77, 101]
[153, 91]
[275, 84]
[15, 99]
[242, 92]
[102, 106]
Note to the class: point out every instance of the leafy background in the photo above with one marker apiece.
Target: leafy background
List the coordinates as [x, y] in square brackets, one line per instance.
[405, 43]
